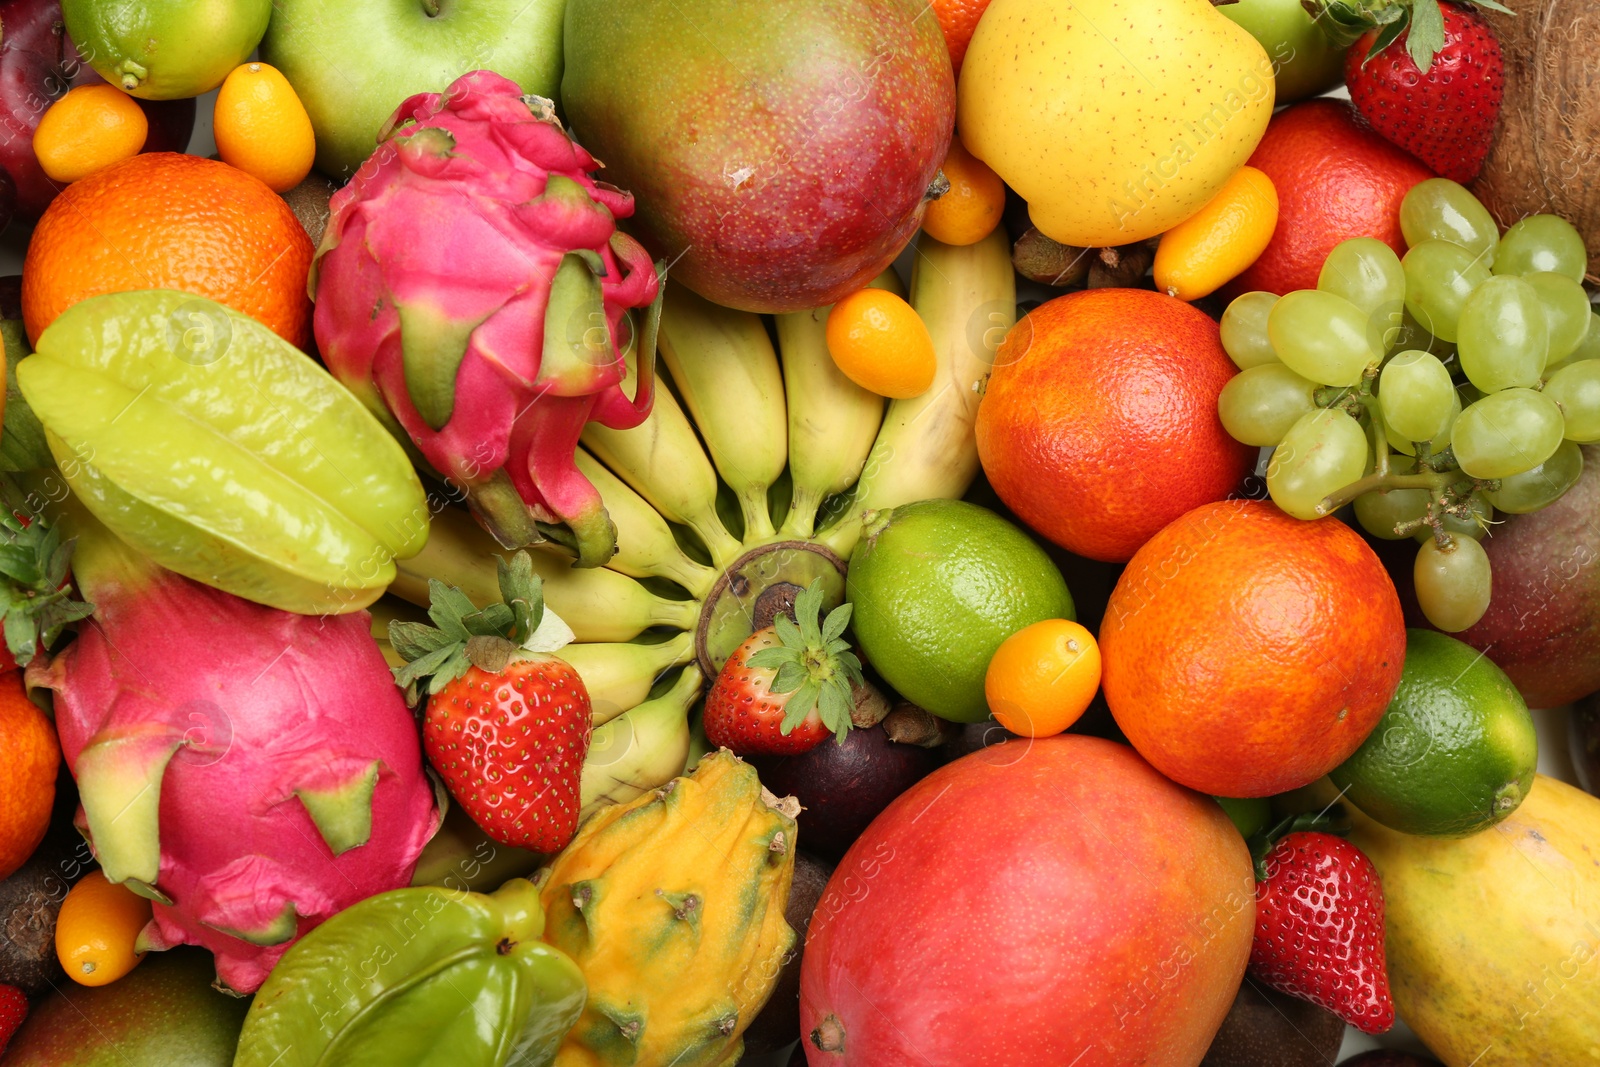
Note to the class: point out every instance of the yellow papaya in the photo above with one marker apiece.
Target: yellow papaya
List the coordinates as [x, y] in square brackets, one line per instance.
[672, 906]
[1494, 939]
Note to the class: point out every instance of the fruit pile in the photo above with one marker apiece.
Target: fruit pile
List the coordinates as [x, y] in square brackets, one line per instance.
[1471, 357]
[607, 534]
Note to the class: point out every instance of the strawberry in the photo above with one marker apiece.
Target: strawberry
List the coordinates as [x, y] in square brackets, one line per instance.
[788, 685]
[506, 728]
[13, 1009]
[1319, 928]
[1426, 75]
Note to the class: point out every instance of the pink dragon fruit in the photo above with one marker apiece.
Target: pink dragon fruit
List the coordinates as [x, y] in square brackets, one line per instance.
[251, 770]
[472, 284]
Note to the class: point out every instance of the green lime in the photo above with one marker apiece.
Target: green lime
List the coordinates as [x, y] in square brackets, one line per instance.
[1454, 752]
[166, 49]
[937, 585]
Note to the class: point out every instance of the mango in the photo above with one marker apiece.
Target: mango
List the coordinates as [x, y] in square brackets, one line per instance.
[1494, 940]
[1115, 121]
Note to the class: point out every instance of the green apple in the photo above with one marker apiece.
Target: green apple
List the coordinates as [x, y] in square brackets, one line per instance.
[353, 61]
[1305, 62]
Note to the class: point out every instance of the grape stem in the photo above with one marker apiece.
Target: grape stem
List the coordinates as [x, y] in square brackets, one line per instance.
[1433, 481]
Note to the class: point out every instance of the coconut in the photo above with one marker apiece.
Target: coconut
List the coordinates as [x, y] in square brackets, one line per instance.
[1547, 147]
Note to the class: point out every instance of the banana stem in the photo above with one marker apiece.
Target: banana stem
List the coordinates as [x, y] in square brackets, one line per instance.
[757, 520]
[802, 519]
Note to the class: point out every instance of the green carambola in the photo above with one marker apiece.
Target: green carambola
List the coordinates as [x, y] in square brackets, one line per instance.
[207, 442]
[421, 977]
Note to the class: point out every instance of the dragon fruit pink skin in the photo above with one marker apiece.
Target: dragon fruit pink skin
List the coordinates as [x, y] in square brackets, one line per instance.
[252, 770]
[472, 284]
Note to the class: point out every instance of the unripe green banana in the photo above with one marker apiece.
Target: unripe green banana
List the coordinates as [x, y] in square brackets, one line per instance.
[645, 545]
[662, 460]
[618, 675]
[967, 296]
[599, 604]
[642, 750]
[832, 420]
[724, 366]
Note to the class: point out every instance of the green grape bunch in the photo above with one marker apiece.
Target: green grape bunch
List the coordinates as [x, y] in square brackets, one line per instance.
[1430, 391]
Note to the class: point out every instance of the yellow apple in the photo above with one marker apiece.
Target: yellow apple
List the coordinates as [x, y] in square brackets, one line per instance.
[1114, 120]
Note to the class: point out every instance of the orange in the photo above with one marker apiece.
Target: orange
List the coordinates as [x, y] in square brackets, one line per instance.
[262, 128]
[91, 127]
[1042, 677]
[1220, 240]
[1099, 423]
[878, 341]
[1336, 179]
[164, 220]
[27, 773]
[97, 930]
[1248, 653]
[958, 18]
[971, 209]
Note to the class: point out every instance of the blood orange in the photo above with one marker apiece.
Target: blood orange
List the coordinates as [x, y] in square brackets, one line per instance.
[1099, 425]
[1247, 653]
[1336, 179]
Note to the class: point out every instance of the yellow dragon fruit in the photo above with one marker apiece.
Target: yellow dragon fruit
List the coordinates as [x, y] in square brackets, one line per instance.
[472, 288]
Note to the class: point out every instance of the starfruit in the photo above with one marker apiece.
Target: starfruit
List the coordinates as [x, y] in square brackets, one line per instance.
[210, 444]
[422, 977]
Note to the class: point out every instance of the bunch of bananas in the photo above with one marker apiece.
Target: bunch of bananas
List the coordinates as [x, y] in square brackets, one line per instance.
[710, 547]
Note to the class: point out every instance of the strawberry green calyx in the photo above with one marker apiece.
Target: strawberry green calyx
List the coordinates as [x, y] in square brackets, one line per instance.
[814, 663]
[464, 635]
[36, 600]
[1331, 820]
[1344, 21]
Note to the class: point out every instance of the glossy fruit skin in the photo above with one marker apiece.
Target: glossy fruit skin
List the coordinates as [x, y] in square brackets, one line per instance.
[28, 781]
[262, 128]
[1216, 243]
[1099, 423]
[13, 1011]
[843, 787]
[1319, 929]
[1081, 941]
[1455, 750]
[1543, 623]
[972, 207]
[1490, 937]
[510, 747]
[166, 51]
[1446, 115]
[1151, 108]
[742, 712]
[62, 142]
[97, 929]
[975, 579]
[38, 64]
[1248, 653]
[200, 226]
[1336, 180]
[879, 342]
[393, 51]
[782, 182]
[1304, 62]
[1043, 677]
[165, 1014]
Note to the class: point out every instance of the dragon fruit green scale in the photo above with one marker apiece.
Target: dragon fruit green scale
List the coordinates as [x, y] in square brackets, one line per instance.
[253, 771]
[471, 288]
